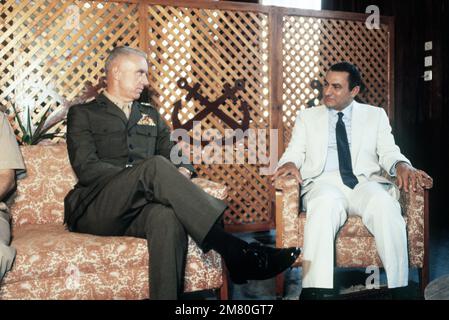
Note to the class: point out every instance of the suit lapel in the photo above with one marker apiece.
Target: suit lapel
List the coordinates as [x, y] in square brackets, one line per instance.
[111, 108]
[357, 130]
[322, 132]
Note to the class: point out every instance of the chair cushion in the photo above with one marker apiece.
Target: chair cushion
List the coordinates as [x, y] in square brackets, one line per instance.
[353, 227]
[355, 245]
[356, 252]
[53, 263]
[40, 195]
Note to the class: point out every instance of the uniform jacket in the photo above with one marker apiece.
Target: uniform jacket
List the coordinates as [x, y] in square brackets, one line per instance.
[102, 142]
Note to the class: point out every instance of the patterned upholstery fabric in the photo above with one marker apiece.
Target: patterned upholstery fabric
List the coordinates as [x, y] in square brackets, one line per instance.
[52, 263]
[355, 245]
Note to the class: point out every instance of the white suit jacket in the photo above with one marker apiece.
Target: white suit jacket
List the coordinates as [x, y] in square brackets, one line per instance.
[372, 146]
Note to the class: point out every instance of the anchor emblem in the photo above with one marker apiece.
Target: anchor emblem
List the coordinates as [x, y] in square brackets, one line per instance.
[211, 107]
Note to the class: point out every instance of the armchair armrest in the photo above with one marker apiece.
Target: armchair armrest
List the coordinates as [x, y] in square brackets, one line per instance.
[287, 211]
[413, 203]
[215, 189]
[415, 209]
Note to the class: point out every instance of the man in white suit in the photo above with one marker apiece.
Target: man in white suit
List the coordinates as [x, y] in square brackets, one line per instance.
[336, 154]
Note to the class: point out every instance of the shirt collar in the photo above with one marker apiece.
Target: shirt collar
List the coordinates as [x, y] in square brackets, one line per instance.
[346, 111]
[122, 105]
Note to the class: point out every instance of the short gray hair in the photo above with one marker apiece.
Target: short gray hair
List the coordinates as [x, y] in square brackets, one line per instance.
[121, 51]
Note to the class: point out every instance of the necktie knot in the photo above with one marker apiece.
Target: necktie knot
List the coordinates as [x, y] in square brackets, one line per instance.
[340, 115]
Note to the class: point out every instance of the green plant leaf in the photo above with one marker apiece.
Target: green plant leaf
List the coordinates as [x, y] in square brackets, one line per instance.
[22, 128]
[26, 139]
[42, 137]
[29, 130]
[41, 123]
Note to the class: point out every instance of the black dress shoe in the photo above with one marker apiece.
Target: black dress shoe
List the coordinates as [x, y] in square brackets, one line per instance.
[257, 262]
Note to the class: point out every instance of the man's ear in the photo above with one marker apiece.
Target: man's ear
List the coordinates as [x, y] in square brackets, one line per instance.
[355, 91]
[115, 72]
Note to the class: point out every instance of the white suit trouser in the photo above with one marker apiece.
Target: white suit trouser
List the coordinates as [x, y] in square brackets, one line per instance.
[327, 204]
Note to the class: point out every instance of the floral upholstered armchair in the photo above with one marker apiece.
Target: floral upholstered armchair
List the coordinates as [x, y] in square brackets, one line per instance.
[53, 263]
[355, 246]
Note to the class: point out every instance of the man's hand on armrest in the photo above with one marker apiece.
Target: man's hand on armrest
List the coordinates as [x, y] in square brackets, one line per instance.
[288, 169]
[409, 178]
[185, 172]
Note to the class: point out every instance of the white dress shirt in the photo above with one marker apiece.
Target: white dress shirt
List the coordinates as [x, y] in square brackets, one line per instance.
[124, 106]
[332, 152]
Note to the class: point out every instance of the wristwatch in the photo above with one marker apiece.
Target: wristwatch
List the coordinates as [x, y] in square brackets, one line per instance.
[186, 171]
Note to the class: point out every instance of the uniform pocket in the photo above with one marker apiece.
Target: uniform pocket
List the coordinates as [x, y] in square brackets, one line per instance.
[146, 130]
[110, 143]
[146, 136]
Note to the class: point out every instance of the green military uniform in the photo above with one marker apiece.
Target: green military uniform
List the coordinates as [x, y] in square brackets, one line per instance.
[128, 186]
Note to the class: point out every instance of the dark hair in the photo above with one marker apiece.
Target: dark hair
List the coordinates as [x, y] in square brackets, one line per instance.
[354, 77]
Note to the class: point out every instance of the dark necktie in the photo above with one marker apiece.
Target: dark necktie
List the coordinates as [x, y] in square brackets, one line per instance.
[344, 155]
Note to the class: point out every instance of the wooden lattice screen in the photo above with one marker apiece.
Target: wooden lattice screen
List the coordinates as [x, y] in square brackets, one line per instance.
[49, 50]
[214, 48]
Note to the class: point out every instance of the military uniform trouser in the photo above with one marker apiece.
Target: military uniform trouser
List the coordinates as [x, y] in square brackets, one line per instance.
[153, 200]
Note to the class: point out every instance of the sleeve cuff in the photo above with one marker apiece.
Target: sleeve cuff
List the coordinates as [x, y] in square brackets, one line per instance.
[393, 167]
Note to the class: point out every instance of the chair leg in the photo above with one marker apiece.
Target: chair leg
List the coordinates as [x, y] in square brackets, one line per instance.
[224, 290]
[280, 281]
[423, 274]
